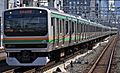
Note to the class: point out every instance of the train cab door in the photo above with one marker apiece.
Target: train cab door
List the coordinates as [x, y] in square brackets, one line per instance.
[54, 30]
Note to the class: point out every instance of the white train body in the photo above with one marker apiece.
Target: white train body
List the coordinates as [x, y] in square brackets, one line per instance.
[31, 34]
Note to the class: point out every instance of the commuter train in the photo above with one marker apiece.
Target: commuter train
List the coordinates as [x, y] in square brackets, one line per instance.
[33, 36]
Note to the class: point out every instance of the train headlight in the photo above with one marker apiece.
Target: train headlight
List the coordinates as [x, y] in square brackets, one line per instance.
[40, 11]
[10, 12]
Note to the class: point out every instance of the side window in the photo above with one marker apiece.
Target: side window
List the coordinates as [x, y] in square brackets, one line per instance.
[52, 21]
[75, 27]
[63, 26]
[66, 23]
[90, 28]
[78, 27]
[60, 26]
[86, 27]
[72, 27]
[81, 27]
[57, 25]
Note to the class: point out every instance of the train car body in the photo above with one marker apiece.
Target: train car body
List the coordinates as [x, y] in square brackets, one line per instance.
[33, 36]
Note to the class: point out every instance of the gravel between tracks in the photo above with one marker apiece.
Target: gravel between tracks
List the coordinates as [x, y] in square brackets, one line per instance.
[82, 63]
[116, 59]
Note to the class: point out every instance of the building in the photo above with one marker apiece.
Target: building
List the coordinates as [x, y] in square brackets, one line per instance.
[35, 3]
[84, 8]
[94, 10]
[2, 6]
[111, 5]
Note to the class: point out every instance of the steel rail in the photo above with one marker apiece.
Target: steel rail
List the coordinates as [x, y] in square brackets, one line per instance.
[98, 59]
[111, 57]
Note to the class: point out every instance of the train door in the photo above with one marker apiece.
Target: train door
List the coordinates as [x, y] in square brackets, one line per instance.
[91, 31]
[75, 31]
[81, 31]
[88, 31]
[53, 24]
[66, 33]
[70, 34]
[63, 32]
[57, 32]
[85, 32]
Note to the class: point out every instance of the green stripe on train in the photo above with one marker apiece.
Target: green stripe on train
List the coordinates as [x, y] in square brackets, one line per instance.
[63, 17]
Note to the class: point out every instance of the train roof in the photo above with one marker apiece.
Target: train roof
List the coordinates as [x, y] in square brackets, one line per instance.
[54, 10]
[114, 28]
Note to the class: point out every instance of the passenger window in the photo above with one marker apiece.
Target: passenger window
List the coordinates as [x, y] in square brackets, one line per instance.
[78, 27]
[63, 28]
[60, 26]
[66, 23]
[57, 25]
[52, 21]
[72, 27]
[81, 27]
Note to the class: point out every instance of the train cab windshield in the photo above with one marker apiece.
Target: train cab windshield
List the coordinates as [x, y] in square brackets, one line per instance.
[25, 22]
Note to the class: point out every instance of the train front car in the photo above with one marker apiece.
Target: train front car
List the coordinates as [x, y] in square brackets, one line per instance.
[26, 36]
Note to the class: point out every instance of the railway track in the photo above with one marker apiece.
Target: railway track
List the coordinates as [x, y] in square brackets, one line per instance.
[54, 63]
[103, 62]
